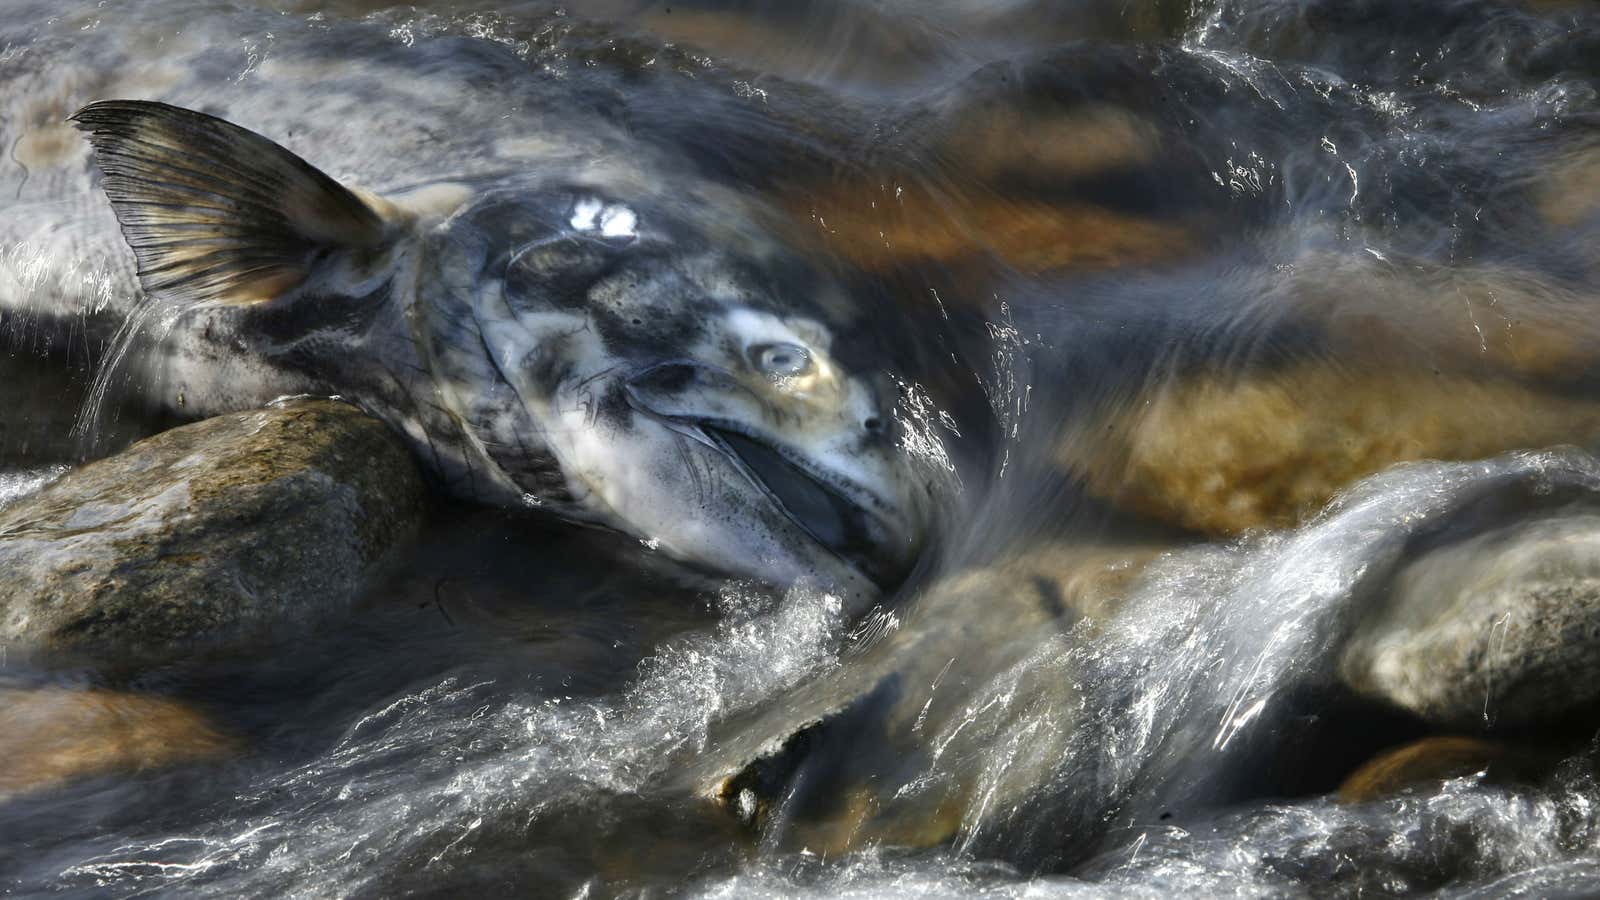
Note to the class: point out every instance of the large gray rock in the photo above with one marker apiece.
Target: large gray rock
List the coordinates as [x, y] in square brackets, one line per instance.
[216, 531]
[1499, 630]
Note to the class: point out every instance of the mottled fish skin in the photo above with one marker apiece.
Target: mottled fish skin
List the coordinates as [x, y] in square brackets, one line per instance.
[562, 316]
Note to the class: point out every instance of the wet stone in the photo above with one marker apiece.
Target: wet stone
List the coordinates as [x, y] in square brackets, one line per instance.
[851, 758]
[1420, 764]
[212, 533]
[1498, 631]
[52, 735]
[1224, 455]
[1424, 765]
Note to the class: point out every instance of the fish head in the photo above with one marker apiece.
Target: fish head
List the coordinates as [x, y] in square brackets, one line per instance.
[677, 377]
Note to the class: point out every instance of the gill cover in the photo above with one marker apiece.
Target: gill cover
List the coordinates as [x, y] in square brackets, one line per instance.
[216, 213]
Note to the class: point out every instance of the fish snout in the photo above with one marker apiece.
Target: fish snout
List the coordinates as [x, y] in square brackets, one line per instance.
[832, 473]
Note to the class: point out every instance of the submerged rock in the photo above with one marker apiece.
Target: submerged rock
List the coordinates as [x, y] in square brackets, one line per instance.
[852, 758]
[1297, 385]
[1077, 689]
[1427, 763]
[52, 735]
[1226, 454]
[1502, 629]
[216, 531]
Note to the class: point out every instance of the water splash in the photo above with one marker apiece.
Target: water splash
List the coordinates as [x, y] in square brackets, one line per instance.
[144, 327]
[442, 758]
[19, 484]
[1167, 704]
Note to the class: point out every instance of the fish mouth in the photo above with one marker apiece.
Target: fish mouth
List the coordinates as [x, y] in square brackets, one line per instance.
[831, 519]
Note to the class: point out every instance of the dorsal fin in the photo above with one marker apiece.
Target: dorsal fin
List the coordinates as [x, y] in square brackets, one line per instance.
[215, 212]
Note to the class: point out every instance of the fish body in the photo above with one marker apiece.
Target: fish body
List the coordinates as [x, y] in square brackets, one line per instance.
[555, 313]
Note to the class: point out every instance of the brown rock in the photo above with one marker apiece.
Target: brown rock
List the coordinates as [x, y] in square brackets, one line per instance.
[1411, 361]
[52, 735]
[1226, 453]
[1486, 320]
[1570, 193]
[1429, 762]
[880, 228]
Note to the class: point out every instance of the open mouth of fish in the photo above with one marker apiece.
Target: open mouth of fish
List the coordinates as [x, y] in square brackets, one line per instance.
[832, 520]
[837, 518]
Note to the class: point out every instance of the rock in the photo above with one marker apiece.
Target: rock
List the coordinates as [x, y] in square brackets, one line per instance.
[1228, 453]
[1003, 209]
[214, 532]
[1429, 762]
[1568, 194]
[851, 758]
[880, 46]
[882, 228]
[1498, 630]
[1487, 320]
[52, 735]
[1297, 383]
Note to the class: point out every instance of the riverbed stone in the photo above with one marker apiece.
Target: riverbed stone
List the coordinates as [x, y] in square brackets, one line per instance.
[1498, 631]
[215, 532]
[53, 735]
[1228, 453]
[847, 759]
[1424, 765]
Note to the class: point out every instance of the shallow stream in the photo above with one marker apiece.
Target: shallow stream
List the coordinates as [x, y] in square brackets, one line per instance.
[1160, 278]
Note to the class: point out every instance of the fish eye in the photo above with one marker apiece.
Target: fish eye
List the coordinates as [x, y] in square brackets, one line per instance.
[783, 360]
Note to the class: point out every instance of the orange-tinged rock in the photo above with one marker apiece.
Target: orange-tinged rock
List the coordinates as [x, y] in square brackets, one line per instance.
[1571, 193]
[1429, 762]
[49, 736]
[882, 229]
[1060, 146]
[1226, 453]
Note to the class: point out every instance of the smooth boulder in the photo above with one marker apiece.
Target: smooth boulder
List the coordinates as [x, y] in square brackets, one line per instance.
[1500, 630]
[219, 531]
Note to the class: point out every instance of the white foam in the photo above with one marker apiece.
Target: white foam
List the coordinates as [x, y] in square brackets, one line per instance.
[16, 484]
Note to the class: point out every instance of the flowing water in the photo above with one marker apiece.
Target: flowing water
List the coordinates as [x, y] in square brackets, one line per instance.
[1213, 290]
